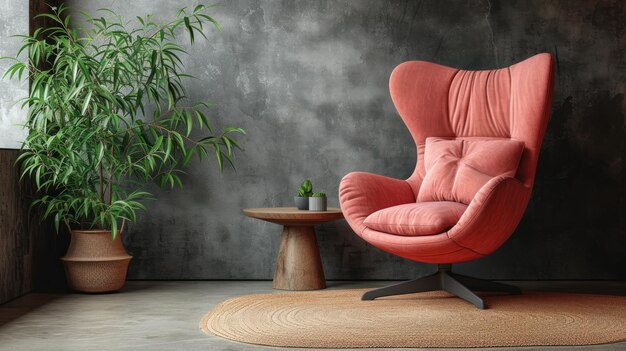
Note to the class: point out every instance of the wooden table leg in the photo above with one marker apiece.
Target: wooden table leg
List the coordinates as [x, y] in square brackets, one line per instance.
[299, 266]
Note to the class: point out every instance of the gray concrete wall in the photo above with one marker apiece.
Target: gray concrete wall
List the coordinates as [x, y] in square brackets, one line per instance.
[13, 21]
[308, 81]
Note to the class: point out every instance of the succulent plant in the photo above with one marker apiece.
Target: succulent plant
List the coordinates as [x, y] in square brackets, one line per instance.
[320, 194]
[306, 189]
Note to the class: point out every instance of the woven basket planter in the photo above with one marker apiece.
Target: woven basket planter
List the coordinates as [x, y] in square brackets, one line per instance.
[95, 263]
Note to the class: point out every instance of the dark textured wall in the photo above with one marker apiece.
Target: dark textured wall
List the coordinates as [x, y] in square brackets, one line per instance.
[15, 244]
[29, 249]
[308, 80]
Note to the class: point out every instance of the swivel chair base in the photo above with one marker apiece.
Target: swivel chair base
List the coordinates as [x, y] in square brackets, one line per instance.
[456, 284]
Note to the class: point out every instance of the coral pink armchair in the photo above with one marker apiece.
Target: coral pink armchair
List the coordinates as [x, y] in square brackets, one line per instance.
[508, 104]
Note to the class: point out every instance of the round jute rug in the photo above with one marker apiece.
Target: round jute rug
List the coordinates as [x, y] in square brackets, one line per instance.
[339, 319]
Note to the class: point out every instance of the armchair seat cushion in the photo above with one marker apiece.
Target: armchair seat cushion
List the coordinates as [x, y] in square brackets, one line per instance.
[416, 219]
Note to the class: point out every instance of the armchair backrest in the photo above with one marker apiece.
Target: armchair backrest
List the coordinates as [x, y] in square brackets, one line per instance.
[512, 102]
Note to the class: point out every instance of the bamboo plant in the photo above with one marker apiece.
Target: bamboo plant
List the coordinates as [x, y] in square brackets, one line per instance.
[107, 113]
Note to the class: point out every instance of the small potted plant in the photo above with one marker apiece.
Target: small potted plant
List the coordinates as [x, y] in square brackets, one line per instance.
[304, 192]
[317, 202]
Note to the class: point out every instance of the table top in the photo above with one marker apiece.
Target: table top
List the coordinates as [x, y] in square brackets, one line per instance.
[293, 216]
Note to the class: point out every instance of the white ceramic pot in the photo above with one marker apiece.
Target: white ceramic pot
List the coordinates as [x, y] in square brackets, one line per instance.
[317, 203]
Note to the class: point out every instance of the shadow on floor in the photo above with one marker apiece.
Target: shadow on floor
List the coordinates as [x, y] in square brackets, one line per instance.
[24, 305]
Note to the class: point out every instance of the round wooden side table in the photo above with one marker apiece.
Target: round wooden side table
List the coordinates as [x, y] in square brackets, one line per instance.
[298, 266]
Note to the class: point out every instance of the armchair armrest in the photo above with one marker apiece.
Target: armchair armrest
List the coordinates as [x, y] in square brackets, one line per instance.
[492, 215]
[361, 194]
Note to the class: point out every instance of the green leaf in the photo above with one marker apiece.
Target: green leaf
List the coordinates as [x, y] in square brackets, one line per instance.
[83, 67]
[86, 102]
[189, 28]
[168, 148]
[218, 156]
[57, 220]
[100, 152]
[189, 122]
[188, 156]
[228, 145]
[113, 227]
[157, 144]
[234, 130]
[212, 20]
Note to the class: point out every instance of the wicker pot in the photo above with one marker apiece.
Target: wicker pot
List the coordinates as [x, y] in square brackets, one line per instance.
[95, 263]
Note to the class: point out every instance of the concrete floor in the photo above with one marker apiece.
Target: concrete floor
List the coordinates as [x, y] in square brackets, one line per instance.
[164, 316]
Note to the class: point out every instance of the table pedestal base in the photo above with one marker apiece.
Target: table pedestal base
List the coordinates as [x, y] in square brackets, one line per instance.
[298, 266]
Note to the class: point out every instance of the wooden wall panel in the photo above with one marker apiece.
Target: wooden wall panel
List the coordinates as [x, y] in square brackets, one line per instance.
[16, 241]
[29, 248]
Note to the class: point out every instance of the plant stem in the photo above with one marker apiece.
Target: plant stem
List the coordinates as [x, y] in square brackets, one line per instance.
[110, 185]
[101, 180]
[122, 227]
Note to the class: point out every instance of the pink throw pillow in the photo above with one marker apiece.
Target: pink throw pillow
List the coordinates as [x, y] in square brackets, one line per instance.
[457, 168]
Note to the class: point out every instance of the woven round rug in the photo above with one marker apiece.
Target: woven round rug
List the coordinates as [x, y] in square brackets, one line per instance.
[339, 319]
